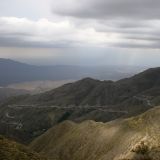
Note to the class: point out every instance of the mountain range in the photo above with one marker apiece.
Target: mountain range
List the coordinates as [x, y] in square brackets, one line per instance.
[16, 72]
[85, 120]
[87, 99]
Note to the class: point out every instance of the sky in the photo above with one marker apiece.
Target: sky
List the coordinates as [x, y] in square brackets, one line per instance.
[81, 32]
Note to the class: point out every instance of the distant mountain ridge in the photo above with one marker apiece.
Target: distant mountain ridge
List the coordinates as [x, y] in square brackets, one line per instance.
[92, 92]
[16, 72]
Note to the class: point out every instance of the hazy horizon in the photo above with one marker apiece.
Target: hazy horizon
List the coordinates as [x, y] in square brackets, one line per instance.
[72, 32]
[34, 63]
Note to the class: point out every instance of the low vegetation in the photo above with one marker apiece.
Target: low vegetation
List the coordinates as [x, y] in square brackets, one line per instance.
[10, 150]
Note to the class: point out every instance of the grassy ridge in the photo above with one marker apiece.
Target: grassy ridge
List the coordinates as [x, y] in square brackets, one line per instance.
[135, 138]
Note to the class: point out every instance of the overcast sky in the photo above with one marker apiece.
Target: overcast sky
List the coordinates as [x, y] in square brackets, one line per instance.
[83, 32]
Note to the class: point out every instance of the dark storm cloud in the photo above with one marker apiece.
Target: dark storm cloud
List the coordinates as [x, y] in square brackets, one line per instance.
[139, 9]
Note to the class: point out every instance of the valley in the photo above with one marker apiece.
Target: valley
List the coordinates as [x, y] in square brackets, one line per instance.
[6, 92]
[35, 87]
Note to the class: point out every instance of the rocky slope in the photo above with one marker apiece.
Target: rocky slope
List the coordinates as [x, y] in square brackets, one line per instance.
[135, 138]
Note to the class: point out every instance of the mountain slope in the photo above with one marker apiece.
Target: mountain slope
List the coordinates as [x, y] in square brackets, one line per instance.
[10, 150]
[94, 92]
[87, 99]
[24, 123]
[16, 72]
[135, 138]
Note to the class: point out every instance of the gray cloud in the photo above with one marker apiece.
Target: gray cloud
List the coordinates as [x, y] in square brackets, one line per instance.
[21, 32]
[130, 23]
[138, 9]
[20, 42]
[154, 45]
[90, 32]
[87, 23]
